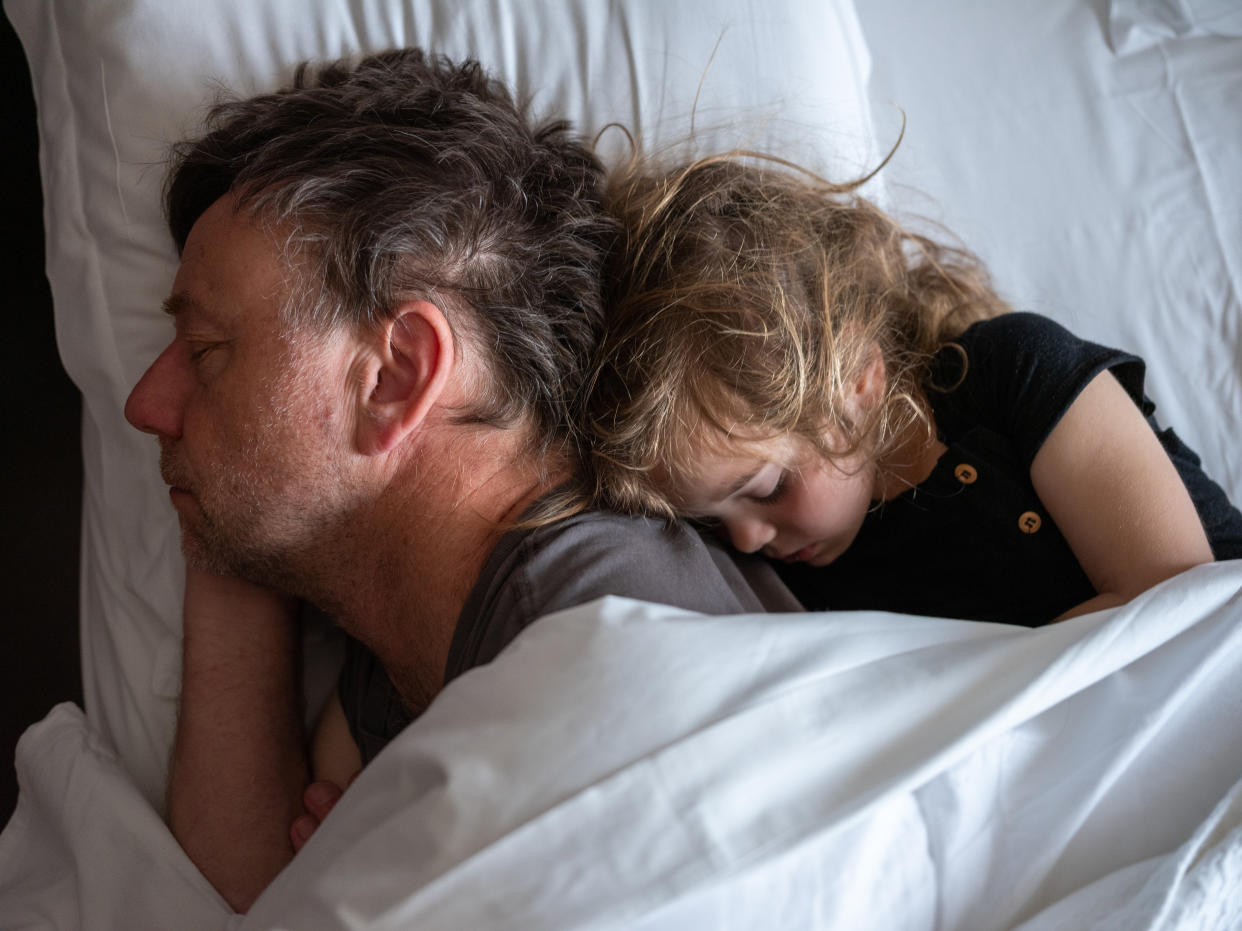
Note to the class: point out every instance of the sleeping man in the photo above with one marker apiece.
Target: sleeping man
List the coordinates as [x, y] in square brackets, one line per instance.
[388, 293]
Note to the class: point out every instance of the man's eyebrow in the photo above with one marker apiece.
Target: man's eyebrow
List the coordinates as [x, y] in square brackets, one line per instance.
[187, 312]
[179, 303]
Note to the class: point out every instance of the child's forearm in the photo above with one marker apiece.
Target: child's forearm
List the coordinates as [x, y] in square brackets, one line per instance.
[334, 755]
[1098, 603]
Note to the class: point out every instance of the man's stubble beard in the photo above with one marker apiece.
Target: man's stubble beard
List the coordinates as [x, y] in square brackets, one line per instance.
[243, 529]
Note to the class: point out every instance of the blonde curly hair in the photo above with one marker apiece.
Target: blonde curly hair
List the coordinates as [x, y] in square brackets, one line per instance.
[746, 299]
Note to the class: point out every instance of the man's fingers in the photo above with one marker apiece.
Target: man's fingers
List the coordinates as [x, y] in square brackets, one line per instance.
[320, 797]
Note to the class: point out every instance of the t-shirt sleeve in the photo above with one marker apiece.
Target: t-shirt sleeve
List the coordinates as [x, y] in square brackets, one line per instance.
[372, 706]
[593, 555]
[1022, 373]
[634, 558]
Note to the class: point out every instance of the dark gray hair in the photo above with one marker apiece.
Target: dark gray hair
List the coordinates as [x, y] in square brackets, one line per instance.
[409, 176]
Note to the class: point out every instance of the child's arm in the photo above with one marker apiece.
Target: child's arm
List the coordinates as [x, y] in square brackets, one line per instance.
[334, 755]
[1117, 497]
[335, 761]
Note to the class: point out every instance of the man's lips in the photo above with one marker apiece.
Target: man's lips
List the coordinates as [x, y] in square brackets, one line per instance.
[177, 489]
[170, 471]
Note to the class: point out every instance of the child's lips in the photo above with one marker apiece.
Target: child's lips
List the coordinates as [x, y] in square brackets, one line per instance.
[801, 555]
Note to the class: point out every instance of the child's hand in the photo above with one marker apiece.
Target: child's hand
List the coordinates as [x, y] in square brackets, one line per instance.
[319, 799]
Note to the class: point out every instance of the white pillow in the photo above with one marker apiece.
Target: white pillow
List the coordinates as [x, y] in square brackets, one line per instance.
[117, 80]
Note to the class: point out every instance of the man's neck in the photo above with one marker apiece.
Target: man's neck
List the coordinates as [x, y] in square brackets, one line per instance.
[425, 545]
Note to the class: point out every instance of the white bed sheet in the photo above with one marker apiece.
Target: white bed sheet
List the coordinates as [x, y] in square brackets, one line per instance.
[632, 766]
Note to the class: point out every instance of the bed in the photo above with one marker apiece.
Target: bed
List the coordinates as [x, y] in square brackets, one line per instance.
[850, 770]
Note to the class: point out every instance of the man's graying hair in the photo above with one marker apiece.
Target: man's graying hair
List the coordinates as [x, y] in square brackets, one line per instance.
[408, 176]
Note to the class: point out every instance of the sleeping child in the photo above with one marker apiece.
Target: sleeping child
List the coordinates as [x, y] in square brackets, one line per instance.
[787, 364]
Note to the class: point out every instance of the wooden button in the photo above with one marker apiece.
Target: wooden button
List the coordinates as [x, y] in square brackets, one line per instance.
[1029, 522]
[966, 474]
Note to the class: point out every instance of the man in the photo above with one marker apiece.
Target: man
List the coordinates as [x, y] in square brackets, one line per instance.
[387, 300]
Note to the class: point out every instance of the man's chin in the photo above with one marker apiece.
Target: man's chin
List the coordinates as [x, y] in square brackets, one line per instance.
[198, 555]
[262, 568]
[202, 550]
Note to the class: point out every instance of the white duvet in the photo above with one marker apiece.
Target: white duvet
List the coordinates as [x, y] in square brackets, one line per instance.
[626, 765]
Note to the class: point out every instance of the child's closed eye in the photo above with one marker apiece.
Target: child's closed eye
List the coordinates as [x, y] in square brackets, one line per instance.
[778, 491]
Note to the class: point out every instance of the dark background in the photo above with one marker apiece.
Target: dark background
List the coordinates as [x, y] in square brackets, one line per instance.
[41, 427]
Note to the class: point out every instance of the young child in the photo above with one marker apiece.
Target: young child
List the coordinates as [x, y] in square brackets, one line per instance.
[853, 400]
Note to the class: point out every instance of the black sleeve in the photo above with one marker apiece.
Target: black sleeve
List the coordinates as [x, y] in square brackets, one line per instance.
[1022, 373]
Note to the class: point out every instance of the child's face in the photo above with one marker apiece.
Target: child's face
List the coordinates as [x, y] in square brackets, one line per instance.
[783, 498]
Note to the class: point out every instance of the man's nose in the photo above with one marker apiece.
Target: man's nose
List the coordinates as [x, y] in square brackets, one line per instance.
[155, 405]
[749, 535]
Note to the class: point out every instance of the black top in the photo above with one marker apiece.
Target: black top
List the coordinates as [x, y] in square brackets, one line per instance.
[973, 540]
[535, 572]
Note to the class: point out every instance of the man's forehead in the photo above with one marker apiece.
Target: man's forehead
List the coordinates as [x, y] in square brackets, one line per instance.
[231, 268]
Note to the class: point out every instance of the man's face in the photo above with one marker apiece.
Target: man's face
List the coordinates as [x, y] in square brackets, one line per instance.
[253, 416]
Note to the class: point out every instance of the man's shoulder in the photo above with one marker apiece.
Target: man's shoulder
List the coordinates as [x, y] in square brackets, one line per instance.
[569, 562]
[611, 536]
[597, 553]
[666, 561]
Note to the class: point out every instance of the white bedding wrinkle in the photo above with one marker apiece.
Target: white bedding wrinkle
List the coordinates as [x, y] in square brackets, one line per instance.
[85, 850]
[1134, 25]
[1196, 888]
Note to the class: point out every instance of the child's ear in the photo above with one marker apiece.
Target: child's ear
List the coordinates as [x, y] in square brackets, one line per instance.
[869, 388]
[409, 371]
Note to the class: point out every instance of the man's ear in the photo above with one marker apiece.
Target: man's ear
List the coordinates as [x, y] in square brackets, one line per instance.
[415, 353]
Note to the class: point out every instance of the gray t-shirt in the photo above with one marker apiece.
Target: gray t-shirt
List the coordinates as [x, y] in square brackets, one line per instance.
[537, 571]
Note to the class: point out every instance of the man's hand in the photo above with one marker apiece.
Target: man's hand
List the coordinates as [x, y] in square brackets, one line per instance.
[239, 764]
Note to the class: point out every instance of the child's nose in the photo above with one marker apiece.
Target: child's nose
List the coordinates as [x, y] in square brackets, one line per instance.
[155, 404]
[749, 535]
